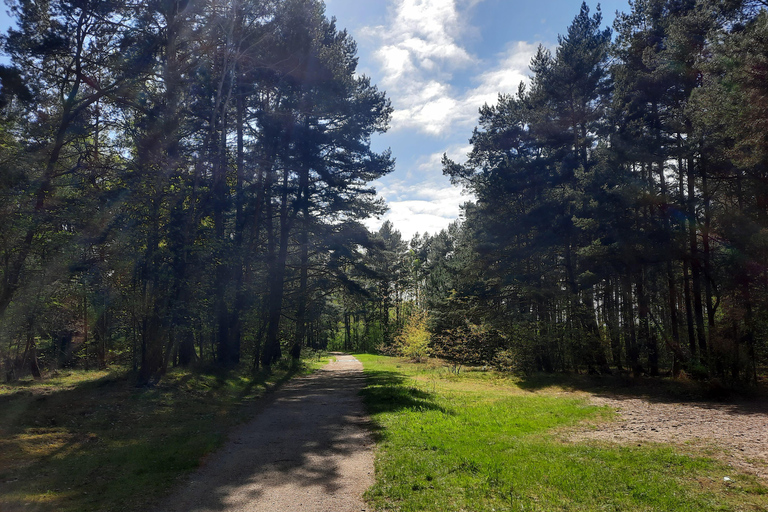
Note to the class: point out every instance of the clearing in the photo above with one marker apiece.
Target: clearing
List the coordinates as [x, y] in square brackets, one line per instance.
[482, 441]
[736, 432]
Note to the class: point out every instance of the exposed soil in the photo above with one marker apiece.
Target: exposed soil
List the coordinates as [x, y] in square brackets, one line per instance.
[738, 432]
[307, 450]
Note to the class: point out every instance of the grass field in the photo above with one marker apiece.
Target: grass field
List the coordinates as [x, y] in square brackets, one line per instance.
[93, 441]
[478, 441]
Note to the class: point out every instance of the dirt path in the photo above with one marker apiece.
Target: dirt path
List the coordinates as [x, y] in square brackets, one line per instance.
[739, 431]
[308, 450]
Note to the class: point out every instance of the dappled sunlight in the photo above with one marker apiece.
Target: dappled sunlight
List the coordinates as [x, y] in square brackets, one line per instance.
[564, 235]
[54, 382]
[302, 448]
[38, 443]
[100, 439]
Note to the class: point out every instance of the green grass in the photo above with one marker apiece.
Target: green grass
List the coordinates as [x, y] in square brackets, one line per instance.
[477, 441]
[93, 441]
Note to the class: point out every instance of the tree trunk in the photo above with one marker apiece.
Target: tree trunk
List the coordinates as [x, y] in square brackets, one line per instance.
[272, 351]
[708, 277]
[695, 264]
[630, 334]
[301, 308]
[235, 326]
[686, 273]
[645, 336]
[610, 303]
[671, 288]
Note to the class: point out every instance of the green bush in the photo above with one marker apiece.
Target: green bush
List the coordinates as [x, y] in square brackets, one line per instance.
[413, 341]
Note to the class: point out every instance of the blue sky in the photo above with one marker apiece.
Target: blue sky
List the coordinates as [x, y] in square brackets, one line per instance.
[439, 61]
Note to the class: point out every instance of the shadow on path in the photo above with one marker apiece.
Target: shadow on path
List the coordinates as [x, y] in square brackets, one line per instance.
[306, 450]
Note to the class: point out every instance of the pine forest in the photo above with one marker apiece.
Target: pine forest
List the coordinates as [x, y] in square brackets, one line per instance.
[185, 182]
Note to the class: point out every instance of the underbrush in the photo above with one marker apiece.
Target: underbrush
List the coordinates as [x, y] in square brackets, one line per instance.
[82, 441]
[483, 441]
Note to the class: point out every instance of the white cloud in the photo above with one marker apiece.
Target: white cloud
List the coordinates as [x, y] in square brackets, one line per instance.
[504, 77]
[433, 116]
[436, 86]
[429, 29]
[425, 205]
[433, 164]
[432, 210]
[508, 73]
[420, 52]
[396, 62]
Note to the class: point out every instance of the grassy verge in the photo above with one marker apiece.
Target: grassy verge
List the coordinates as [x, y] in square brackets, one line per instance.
[478, 441]
[85, 441]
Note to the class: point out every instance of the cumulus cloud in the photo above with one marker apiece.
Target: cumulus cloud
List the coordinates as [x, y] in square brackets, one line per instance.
[425, 30]
[434, 162]
[459, 111]
[436, 86]
[432, 209]
[425, 203]
[506, 76]
[420, 51]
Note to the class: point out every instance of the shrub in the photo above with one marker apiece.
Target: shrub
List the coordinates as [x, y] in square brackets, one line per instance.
[413, 340]
[470, 344]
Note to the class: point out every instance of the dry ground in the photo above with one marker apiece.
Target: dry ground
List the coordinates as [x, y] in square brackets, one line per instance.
[737, 433]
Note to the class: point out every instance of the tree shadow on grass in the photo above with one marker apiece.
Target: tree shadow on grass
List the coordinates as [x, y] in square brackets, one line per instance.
[388, 391]
[52, 385]
[658, 390]
[105, 444]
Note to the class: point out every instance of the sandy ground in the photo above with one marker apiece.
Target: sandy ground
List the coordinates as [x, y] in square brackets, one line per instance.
[737, 432]
[307, 450]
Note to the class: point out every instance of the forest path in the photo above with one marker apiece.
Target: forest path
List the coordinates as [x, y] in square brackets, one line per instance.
[307, 450]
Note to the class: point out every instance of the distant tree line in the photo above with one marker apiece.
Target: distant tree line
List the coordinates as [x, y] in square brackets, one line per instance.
[621, 214]
[181, 181]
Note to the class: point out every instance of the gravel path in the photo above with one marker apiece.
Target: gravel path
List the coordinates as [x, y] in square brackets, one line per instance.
[739, 430]
[308, 450]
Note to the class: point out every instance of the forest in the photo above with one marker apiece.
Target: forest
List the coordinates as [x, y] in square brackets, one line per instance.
[620, 221]
[184, 183]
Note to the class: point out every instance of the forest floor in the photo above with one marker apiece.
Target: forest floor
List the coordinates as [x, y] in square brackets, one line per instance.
[736, 433]
[447, 440]
[307, 449]
[80, 441]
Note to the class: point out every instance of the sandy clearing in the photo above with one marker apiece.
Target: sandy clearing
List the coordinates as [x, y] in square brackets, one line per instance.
[739, 430]
[307, 450]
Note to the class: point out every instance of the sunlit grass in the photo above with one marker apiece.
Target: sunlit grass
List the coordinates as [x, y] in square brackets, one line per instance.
[477, 441]
[94, 441]
[55, 381]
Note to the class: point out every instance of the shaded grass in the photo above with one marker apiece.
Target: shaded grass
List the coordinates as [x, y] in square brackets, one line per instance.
[94, 441]
[660, 389]
[479, 441]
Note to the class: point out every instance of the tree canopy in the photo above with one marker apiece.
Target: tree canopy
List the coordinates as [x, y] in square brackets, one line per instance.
[182, 180]
[619, 204]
